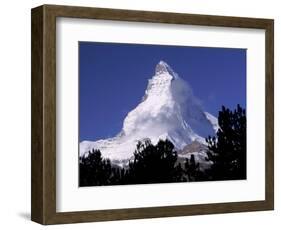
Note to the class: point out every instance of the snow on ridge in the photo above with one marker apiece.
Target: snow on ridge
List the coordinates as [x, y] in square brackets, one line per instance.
[163, 67]
[213, 120]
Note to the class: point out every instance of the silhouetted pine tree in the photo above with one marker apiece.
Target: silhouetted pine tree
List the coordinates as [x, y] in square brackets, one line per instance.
[94, 170]
[227, 150]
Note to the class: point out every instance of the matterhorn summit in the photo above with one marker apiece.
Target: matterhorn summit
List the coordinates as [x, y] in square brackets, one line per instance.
[168, 110]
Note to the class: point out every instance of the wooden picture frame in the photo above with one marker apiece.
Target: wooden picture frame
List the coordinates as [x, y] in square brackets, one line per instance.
[43, 202]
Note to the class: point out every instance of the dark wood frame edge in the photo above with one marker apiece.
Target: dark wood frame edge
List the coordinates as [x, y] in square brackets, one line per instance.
[43, 159]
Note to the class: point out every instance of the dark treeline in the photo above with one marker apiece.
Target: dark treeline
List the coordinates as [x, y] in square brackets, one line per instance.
[151, 164]
[159, 163]
[227, 150]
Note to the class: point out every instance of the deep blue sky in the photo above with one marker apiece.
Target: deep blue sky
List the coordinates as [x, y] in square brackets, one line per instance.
[113, 78]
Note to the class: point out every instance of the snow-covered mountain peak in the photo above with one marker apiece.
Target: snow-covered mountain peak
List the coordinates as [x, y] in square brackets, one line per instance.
[168, 110]
[160, 84]
[163, 68]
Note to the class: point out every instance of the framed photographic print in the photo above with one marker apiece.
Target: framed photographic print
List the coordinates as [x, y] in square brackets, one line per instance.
[141, 114]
